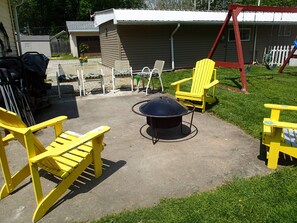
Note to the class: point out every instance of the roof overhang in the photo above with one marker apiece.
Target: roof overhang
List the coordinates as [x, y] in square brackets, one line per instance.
[35, 38]
[82, 31]
[159, 17]
[81, 27]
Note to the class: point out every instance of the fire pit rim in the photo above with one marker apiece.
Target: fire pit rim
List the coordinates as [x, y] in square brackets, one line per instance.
[162, 116]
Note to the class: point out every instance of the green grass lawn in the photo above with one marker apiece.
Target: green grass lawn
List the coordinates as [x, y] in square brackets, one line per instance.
[258, 199]
[246, 110]
[63, 56]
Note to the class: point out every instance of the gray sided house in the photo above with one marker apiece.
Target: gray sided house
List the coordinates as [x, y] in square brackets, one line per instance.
[8, 45]
[83, 32]
[183, 37]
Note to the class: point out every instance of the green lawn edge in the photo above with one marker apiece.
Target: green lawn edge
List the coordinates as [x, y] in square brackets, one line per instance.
[257, 199]
[268, 198]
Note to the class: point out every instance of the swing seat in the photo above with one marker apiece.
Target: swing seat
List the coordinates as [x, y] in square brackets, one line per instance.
[267, 60]
[247, 69]
[270, 67]
[67, 157]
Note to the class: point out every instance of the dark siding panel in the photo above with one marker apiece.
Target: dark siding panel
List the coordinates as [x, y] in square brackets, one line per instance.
[268, 36]
[227, 50]
[192, 43]
[142, 45]
[109, 42]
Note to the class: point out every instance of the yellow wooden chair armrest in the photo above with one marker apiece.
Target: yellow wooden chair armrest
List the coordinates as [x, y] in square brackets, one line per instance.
[8, 138]
[22, 131]
[34, 128]
[281, 107]
[213, 83]
[277, 109]
[72, 145]
[283, 125]
[181, 81]
[47, 123]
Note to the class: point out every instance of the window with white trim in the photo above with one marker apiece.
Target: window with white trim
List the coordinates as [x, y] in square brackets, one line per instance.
[245, 34]
[284, 30]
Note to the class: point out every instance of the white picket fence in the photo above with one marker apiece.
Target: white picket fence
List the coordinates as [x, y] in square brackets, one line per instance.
[278, 54]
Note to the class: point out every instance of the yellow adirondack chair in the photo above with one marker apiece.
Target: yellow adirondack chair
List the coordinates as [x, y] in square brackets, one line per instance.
[279, 136]
[201, 83]
[66, 157]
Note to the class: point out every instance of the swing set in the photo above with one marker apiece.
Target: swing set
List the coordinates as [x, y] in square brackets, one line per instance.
[233, 11]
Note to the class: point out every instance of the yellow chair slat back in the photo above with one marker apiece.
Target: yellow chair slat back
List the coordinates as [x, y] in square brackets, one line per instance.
[11, 119]
[202, 75]
[11, 122]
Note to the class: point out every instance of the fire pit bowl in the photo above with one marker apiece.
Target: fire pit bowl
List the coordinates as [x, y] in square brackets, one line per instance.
[163, 112]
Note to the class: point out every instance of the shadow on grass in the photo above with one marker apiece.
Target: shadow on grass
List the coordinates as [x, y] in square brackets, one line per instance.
[290, 73]
[234, 83]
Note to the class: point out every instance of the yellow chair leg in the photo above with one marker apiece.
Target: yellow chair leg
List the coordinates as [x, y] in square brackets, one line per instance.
[47, 202]
[97, 148]
[273, 154]
[15, 180]
[273, 157]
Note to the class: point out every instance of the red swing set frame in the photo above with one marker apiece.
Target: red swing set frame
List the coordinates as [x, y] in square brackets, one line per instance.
[291, 55]
[233, 11]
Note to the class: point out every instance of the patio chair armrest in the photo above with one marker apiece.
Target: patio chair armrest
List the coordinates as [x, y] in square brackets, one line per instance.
[276, 110]
[181, 81]
[281, 107]
[47, 123]
[213, 83]
[7, 138]
[72, 145]
[281, 125]
[155, 70]
[146, 70]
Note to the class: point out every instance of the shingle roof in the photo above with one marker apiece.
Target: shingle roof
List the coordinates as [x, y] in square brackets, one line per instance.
[81, 26]
[35, 38]
[130, 16]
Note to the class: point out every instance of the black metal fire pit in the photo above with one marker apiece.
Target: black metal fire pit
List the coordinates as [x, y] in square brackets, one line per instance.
[163, 112]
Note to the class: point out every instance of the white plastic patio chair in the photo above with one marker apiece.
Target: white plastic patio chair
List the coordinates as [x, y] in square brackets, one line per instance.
[121, 69]
[88, 73]
[151, 74]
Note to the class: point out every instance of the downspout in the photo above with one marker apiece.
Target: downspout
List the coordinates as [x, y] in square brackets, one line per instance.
[16, 21]
[172, 46]
[255, 36]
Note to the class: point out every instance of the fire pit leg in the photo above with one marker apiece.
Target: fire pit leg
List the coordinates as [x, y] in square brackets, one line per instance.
[155, 138]
[152, 123]
[191, 123]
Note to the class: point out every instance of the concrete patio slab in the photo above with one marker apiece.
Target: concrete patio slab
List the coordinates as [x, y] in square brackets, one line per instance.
[136, 172]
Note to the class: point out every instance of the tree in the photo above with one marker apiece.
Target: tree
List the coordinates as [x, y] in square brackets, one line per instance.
[49, 17]
[215, 4]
